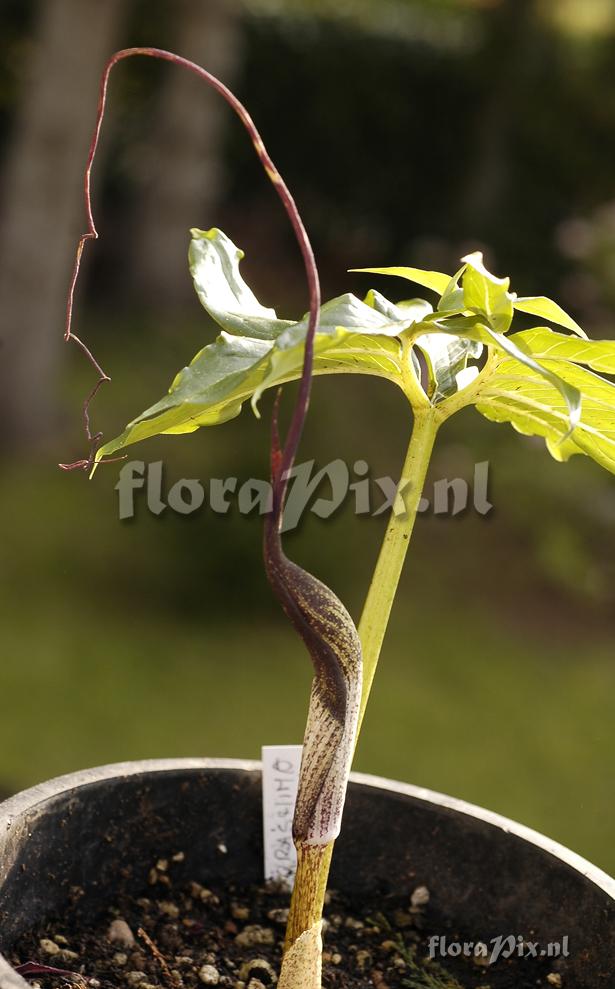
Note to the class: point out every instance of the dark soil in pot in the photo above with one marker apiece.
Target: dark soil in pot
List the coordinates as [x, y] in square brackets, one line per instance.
[186, 935]
[175, 848]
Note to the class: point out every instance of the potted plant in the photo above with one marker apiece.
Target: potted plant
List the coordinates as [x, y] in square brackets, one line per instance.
[458, 350]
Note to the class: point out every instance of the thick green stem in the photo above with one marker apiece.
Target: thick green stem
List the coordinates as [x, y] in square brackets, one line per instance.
[381, 594]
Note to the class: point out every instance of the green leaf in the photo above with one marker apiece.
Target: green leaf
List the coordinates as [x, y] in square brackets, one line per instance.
[556, 379]
[428, 279]
[225, 374]
[348, 312]
[353, 337]
[486, 295]
[414, 310]
[334, 353]
[474, 333]
[539, 305]
[446, 356]
[214, 266]
[452, 298]
[513, 393]
[542, 382]
[543, 343]
[210, 390]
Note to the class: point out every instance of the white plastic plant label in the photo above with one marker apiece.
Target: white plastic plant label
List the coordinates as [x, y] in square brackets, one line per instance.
[281, 764]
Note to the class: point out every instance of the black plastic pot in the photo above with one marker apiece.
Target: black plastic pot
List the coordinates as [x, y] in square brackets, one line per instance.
[100, 829]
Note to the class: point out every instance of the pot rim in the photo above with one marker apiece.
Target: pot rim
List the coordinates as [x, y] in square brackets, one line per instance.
[28, 799]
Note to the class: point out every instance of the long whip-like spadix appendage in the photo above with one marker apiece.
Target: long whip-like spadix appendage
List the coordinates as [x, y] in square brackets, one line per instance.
[94, 439]
[315, 612]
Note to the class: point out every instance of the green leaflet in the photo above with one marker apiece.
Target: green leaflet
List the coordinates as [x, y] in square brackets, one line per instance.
[210, 390]
[447, 358]
[485, 295]
[543, 343]
[336, 353]
[541, 381]
[538, 305]
[452, 298]
[256, 350]
[435, 280]
[214, 266]
[213, 388]
[532, 405]
[567, 390]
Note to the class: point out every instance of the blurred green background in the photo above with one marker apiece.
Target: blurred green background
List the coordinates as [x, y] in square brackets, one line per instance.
[409, 133]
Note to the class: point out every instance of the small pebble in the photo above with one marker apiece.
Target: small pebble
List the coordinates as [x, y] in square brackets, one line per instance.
[69, 956]
[355, 925]
[253, 935]
[364, 959]
[120, 958]
[49, 946]
[179, 857]
[554, 979]
[378, 980]
[162, 865]
[170, 909]
[420, 897]
[256, 968]
[60, 939]
[209, 975]
[239, 912]
[389, 946]
[134, 978]
[120, 931]
[336, 958]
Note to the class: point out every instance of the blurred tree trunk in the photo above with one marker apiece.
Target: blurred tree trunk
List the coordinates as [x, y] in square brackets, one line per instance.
[183, 172]
[43, 210]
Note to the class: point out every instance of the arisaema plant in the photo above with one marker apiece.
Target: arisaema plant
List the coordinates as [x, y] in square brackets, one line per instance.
[461, 347]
